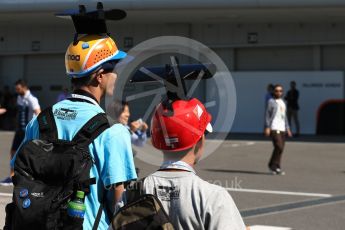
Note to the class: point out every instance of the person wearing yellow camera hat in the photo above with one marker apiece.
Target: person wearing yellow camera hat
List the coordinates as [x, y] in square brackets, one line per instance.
[89, 62]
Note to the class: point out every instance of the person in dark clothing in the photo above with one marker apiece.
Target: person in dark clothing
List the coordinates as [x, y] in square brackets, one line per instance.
[27, 108]
[8, 102]
[293, 107]
[2, 110]
[269, 94]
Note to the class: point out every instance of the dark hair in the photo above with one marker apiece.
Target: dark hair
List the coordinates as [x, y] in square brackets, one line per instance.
[278, 85]
[21, 82]
[85, 81]
[81, 81]
[270, 87]
[116, 108]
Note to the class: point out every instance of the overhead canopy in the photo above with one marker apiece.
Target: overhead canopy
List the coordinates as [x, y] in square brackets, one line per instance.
[56, 5]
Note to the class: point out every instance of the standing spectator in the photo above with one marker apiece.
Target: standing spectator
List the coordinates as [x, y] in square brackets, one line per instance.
[63, 95]
[293, 107]
[1, 100]
[269, 94]
[2, 110]
[9, 103]
[276, 126]
[190, 202]
[120, 111]
[6, 97]
[27, 108]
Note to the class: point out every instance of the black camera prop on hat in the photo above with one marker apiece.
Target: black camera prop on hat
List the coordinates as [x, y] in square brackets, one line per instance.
[174, 78]
[92, 21]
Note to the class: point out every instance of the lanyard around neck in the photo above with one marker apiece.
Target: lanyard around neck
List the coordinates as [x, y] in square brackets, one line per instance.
[181, 165]
[84, 98]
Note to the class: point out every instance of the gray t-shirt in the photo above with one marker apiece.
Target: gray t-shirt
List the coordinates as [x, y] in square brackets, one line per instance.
[193, 203]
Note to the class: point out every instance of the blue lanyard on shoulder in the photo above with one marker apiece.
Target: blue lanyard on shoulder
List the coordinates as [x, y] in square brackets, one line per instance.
[177, 165]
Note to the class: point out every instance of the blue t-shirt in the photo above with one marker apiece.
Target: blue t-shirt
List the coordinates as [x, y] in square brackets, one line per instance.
[111, 151]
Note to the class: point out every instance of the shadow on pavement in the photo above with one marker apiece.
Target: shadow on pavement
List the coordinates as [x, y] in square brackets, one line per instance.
[261, 137]
[237, 171]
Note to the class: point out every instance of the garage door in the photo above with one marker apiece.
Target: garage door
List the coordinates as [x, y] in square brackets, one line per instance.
[46, 76]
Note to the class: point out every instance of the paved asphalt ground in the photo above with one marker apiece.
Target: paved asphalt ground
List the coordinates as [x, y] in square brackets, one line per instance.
[311, 196]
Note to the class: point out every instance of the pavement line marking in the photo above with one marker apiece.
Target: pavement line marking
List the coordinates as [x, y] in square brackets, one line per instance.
[265, 227]
[238, 144]
[279, 192]
[250, 143]
[6, 194]
[291, 206]
[6, 132]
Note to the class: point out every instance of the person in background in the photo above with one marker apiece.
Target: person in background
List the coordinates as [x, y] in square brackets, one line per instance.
[269, 93]
[7, 97]
[63, 95]
[120, 111]
[27, 108]
[291, 98]
[8, 102]
[2, 110]
[276, 126]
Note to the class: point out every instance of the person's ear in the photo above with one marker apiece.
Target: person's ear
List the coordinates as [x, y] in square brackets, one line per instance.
[99, 75]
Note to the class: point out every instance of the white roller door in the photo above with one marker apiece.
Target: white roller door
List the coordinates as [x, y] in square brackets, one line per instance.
[46, 76]
[274, 58]
[11, 69]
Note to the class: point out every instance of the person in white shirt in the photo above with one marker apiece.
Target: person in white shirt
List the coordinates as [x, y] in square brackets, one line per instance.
[190, 202]
[27, 108]
[276, 126]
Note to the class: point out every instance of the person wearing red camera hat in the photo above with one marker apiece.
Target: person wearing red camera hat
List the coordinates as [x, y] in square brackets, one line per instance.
[178, 130]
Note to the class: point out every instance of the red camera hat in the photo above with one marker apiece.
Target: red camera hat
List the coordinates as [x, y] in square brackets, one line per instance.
[180, 128]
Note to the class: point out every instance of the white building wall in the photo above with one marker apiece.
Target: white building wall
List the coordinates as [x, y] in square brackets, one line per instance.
[275, 58]
[55, 39]
[280, 47]
[333, 57]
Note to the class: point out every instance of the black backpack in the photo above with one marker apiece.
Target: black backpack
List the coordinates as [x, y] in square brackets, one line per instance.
[142, 211]
[48, 172]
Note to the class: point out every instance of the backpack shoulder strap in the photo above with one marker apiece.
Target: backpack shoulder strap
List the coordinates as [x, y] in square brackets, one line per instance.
[47, 125]
[90, 131]
[134, 190]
